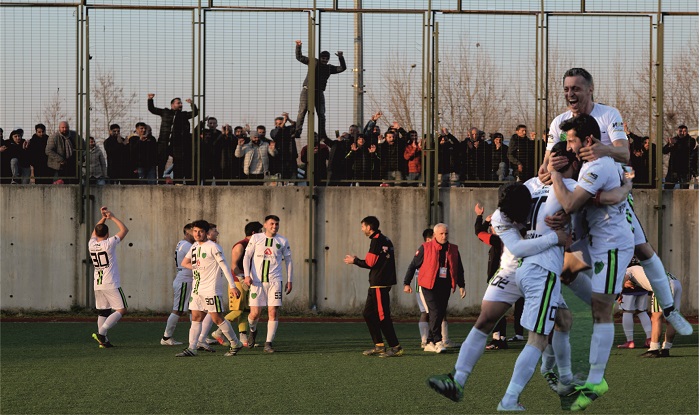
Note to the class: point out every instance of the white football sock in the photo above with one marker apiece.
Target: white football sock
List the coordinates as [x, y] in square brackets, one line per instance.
[654, 345]
[562, 354]
[548, 359]
[524, 368]
[170, 325]
[252, 324]
[445, 331]
[628, 325]
[110, 322]
[228, 331]
[645, 321]
[206, 325]
[271, 330]
[581, 286]
[656, 274]
[100, 322]
[667, 345]
[601, 343]
[423, 327]
[469, 353]
[195, 330]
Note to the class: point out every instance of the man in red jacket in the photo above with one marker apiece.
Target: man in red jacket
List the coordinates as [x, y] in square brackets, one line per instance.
[440, 272]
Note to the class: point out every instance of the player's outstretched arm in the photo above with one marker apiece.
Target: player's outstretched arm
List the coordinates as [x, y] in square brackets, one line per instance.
[123, 230]
[102, 220]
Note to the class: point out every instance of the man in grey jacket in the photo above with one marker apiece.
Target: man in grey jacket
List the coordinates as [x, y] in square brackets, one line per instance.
[61, 151]
[256, 163]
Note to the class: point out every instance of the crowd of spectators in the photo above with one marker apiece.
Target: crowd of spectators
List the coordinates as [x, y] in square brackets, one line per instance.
[242, 156]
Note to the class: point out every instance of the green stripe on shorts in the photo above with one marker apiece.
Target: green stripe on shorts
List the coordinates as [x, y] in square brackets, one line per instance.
[123, 297]
[544, 304]
[611, 274]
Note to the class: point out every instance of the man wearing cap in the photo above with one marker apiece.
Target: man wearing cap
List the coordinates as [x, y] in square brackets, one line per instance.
[255, 155]
[323, 72]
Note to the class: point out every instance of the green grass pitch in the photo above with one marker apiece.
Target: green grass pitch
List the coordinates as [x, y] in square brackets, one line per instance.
[57, 368]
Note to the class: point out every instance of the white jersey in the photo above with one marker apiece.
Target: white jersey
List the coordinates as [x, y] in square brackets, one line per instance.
[501, 224]
[104, 259]
[609, 120]
[181, 250]
[207, 262]
[608, 226]
[267, 255]
[551, 259]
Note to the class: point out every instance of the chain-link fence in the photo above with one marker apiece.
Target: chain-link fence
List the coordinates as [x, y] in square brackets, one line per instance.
[456, 81]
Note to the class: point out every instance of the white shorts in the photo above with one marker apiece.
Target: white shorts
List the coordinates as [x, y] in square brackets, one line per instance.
[634, 302]
[503, 288]
[422, 306]
[208, 303]
[112, 298]
[181, 295]
[609, 268]
[579, 249]
[542, 290]
[639, 236]
[676, 292]
[267, 294]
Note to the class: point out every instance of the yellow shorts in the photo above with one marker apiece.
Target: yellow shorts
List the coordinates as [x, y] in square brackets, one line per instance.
[239, 303]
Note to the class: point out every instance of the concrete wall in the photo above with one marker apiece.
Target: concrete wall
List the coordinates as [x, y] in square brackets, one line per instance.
[43, 246]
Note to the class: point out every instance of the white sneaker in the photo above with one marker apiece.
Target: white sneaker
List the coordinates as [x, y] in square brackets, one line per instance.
[517, 408]
[679, 323]
[430, 347]
[219, 337]
[439, 348]
[205, 347]
[449, 343]
[211, 341]
[169, 342]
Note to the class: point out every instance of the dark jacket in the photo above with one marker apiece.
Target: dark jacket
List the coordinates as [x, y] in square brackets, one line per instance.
[320, 162]
[118, 164]
[323, 71]
[680, 150]
[391, 157]
[174, 125]
[285, 162]
[380, 261]
[17, 151]
[338, 167]
[481, 230]
[522, 151]
[143, 153]
[497, 157]
[363, 162]
[449, 157]
[226, 165]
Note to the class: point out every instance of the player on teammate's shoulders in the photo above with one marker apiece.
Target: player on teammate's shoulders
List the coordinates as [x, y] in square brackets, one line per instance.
[634, 301]
[109, 296]
[578, 91]
[207, 261]
[182, 287]
[262, 267]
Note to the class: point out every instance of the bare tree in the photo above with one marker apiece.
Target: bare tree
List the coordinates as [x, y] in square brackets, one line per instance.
[399, 96]
[109, 102]
[54, 112]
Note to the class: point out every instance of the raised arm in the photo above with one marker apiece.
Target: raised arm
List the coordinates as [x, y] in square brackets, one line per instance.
[151, 106]
[301, 58]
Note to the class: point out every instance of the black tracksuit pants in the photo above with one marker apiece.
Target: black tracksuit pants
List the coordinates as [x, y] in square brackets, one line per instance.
[436, 299]
[377, 314]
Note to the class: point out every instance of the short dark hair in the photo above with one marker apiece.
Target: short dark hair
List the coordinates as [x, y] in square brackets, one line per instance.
[186, 228]
[560, 149]
[371, 221]
[101, 230]
[583, 124]
[201, 224]
[238, 127]
[212, 118]
[140, 124]
[261, 127]
[428, 233]
[578, 72]
[273, 217]
[325, 53]
[42, 126]
[682, 126]
[252, 228]
[520, 126]
[514, 201]
[279, 118]
[113, 126]
[172, 101]
[212, 225]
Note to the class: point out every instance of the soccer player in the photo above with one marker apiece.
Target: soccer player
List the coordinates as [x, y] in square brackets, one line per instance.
[381, 263]
[637, 276]
[514, 202]
[578, 92]
[204, 341]
[610, 242]
[538, 278]
[238, 305]
[634, 301]
[108, 289]
[262, 268]
[182, 287]
[206, 259]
